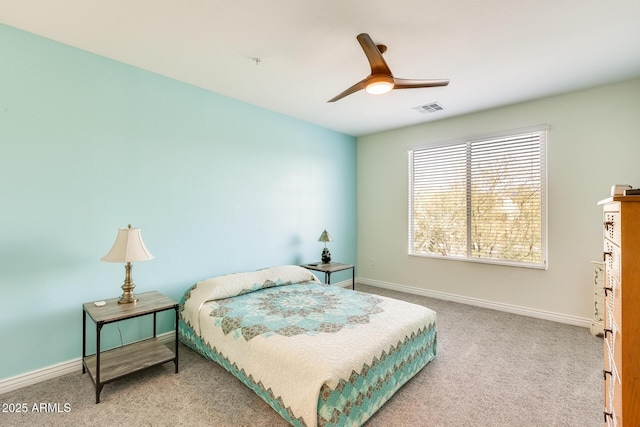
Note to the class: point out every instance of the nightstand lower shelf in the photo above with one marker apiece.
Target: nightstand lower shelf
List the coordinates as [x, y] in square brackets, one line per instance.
[121, 361]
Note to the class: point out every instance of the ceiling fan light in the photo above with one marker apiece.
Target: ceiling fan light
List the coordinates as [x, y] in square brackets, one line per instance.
[379, 85]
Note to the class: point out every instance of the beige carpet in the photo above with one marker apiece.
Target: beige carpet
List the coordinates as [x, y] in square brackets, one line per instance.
[492, 369]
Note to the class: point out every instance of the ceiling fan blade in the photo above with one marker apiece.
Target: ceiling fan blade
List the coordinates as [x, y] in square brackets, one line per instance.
[377, 62]
[416, 83]
[356, 87]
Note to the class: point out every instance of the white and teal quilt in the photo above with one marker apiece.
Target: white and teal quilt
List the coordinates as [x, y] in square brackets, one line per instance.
[318, 354]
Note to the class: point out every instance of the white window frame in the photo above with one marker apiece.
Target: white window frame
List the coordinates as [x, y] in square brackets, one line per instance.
[543, 132]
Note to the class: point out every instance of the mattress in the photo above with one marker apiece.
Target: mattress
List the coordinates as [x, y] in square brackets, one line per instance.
[317, 354]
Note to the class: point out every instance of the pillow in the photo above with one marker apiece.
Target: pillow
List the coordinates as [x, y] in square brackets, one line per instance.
[230, 285]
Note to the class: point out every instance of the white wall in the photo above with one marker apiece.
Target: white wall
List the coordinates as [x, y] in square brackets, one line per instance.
[594, 142]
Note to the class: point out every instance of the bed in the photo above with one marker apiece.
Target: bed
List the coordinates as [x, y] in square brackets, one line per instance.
[318, 354]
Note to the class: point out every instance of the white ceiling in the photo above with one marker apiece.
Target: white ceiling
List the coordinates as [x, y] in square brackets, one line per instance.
[495, 52]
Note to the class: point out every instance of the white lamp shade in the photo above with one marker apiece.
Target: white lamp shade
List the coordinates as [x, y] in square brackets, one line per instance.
[128, 247]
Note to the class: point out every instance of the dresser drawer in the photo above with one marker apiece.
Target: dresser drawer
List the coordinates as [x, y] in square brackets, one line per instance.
[611, 260]
[611, 399]
[608, 395]
[612, 305]
[612, 352]
[611, 226]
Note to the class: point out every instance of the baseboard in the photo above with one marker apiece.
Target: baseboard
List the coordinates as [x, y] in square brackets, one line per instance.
[57, 370]
[523, 311]
[39, 375]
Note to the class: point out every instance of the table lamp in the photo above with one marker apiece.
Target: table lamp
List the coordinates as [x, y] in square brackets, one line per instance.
[128, 248]
[326, 255]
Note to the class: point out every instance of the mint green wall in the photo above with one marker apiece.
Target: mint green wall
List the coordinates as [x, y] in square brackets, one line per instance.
[89, 145]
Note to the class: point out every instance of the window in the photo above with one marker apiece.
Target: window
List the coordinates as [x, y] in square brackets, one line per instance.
[481, 200]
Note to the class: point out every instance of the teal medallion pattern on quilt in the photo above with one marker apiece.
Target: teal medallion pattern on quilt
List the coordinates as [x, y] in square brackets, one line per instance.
[289, 311]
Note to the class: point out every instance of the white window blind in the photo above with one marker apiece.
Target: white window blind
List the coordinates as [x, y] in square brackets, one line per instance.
[482, 199]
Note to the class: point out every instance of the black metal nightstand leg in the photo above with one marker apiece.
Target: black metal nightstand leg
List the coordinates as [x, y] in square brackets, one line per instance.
[84, 339]
[154, 324]
[98, 391]
[97, 379]
[176, 345]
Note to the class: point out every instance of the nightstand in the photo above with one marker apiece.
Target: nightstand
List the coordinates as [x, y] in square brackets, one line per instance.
[109, 365]
[331, 267]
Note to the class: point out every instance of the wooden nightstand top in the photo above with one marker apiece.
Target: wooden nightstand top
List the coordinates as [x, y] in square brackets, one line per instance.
[328, 267]
[148, 302]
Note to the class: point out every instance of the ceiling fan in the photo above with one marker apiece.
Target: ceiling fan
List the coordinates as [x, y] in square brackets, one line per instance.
[381, 80]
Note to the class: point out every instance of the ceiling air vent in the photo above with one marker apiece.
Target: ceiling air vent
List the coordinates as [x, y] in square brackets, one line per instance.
[433, 107]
